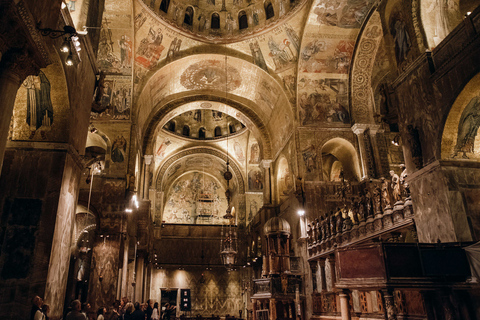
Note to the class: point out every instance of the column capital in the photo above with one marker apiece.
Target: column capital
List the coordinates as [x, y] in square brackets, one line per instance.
[266, 163]
[375, 128]
[148, 159]
[359, 128]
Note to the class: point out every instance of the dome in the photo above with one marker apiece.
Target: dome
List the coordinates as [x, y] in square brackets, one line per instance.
[276, 225]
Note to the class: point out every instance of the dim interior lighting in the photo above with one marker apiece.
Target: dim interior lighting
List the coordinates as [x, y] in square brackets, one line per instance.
[65, 47]
[469, 13]
[135, 201]
[64, 5]
[69, 60]
[301, 213]
[396, 140]
[128, 210]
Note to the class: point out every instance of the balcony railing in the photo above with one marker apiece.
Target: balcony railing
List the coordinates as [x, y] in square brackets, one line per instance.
[277, 286]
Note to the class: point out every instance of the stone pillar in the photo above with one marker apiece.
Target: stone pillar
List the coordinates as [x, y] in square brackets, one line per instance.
[359, 129]
[14, 68]
[344, 306]
[314, 268]
[254, 309]
[374, 129]
[333, 274]
[267, 188]
[146, 186]
[273, 309]
[389, 304]
[139, 273]
[125, 282]
[323, 278]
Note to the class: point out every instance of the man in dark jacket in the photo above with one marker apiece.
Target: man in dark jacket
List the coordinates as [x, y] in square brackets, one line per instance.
[137, 314]
[149, 309]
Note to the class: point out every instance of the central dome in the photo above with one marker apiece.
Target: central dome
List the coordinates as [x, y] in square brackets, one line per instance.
[222, 21]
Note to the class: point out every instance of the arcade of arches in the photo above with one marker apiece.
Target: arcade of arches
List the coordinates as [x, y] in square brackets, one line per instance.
[349, 129]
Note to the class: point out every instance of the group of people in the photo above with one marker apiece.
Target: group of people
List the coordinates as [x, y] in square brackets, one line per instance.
[120, 310]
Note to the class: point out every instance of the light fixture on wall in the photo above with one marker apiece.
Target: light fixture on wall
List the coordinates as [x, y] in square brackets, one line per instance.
[70, 35]
[396, 140]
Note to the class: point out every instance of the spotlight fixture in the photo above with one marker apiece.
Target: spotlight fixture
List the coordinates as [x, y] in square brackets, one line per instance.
[69, 60]
[396, 140]
[71, 36]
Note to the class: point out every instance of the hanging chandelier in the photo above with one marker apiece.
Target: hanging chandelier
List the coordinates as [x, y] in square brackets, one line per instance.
[228, 245]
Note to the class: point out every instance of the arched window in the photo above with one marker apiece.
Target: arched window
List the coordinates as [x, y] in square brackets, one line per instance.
[242, 20]
[164, 5]
[215, 24]
[188, 19]
[171, 126]
[201, 133]
[218, 132]
[186, 131]
[269, 10]
[232, 128]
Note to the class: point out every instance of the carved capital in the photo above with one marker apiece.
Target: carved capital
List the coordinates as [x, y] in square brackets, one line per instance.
[374, 129]
[266, 163]
[359, 128]
[148, 159]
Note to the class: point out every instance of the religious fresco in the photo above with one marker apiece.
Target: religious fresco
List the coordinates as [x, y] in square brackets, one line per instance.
[284, 178]
[42, 107]
[325, 58]
[467, 130]
[255, 180]
[211, 74]
[308, 156]
[254, 152]
[195, 198]
[116, 99]
[439, 18]
[323, 100]
[254, 204]
[401, 36]
[115, 49]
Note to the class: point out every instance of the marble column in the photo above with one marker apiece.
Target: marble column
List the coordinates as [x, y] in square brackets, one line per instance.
[344, 306]
[146, 186]
[14, 68]
[124, 284]
[333, 274]
[359, 129]
[314, 268]
[374, 132]
[323, 278]
[273, 309]
[267, 188]
[254, 309]
[139, 273]
[389, 304]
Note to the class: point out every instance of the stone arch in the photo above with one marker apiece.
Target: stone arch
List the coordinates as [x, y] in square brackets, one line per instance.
[237, 173]
[362, 101]
[460, 133]
[344, 152]
[159, 116]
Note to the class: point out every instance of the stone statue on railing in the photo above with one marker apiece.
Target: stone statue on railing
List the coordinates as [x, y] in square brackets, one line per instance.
[325, 231]
[318, 227]
[386, 193]
[397, 194]
[309, 234]
[355, 210]
[368, 204]
[403, 182]
[362, 211]
[377, 200]
[314, 233]
[339, 218]
[333, 229]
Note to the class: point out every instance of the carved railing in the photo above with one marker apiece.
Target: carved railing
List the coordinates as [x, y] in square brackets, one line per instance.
[372, 213]
[295, 265]
[277, 285]
[324, 302]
